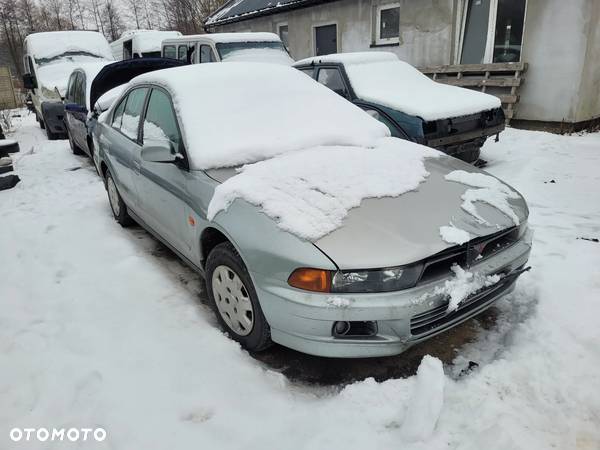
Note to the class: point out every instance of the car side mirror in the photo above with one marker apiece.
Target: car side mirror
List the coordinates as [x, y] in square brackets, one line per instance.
[75, 108]
[29, 81]
[161, 152]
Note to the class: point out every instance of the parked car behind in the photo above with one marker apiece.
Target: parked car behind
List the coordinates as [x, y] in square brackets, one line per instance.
[49, 59]
[81, 97]
[454, 120]
[312, 227]
[140, 44]
[217, 47]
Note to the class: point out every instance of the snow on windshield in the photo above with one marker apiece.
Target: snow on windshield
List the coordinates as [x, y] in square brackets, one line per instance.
[400, 86]
[46, 46]
[238, 113]
[309, 193]
[56, 74]
[272, 52]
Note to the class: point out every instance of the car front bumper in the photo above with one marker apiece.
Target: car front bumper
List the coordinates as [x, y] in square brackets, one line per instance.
[53, 114]
[304, 320]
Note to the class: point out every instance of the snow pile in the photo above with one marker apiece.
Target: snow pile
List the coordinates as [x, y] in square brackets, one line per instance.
[54, 43]
[398, 85]
[269, 109]
[488, 190]
[242, 37]
[462, 286]
[309, 193]
[453, 235]
[426, 401]
[79, 357]
[349, 58]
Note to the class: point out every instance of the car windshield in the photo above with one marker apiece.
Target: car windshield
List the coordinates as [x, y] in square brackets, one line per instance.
[78, 56]
[253, 51]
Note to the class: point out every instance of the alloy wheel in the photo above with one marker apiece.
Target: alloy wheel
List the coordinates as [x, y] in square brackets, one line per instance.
[232, 300]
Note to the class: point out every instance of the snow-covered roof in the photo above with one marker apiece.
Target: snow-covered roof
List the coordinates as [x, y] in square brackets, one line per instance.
[240, 113]
[231, 37]
[236, 10]
[54, 43]
[146, 40]
[379, 77]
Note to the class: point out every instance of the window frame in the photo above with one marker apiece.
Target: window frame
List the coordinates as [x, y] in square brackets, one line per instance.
[279, 26]
[182, 150]
[125, 98]
[378, 39]
[488, 56]
[177, 53]
[212, 53]
[174, 46]
[338, 69]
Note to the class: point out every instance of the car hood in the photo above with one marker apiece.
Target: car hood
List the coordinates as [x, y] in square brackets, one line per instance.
[392, 231]
[122, 72]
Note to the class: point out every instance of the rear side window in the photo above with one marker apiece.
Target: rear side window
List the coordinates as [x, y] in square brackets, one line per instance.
[182, 52]
[206, 54]
[169, 52]
[332, 78]
[160, 124]
[71, 87]
[133, 112]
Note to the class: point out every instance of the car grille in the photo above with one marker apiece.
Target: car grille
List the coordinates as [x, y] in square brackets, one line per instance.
[438, 318]
[440, 265]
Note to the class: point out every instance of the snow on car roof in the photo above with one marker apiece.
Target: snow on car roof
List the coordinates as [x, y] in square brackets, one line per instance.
[54, 43]
[380, 77]
[239, 113]
[232, 37]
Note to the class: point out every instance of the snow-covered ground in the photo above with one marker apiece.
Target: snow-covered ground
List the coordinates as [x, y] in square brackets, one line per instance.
[96, 331]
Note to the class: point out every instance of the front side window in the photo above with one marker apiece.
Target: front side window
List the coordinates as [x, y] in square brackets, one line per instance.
[332, 78]
[206, 54]
[132, 113]
[118, 114]
[388, 24]
[80, 90]
[169, 52]
[160, 124]
[71, 88]
[310, 72]
[493, 31]
[182, 52]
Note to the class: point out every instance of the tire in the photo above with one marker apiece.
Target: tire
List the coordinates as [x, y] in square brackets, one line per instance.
[224, 262]
[74, 147]
[117, 205]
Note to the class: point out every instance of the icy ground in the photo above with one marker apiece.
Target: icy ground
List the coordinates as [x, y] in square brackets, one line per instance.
[99, 328]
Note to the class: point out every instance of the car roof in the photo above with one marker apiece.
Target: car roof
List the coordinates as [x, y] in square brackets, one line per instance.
[349, 58]
[226, 37]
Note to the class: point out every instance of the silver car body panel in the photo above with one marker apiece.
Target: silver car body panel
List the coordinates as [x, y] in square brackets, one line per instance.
[171, 202]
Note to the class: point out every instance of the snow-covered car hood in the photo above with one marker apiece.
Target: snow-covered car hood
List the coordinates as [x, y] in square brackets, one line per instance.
[386, 232]
[392, 231]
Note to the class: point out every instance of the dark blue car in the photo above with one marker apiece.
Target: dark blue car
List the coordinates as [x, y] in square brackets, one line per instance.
[93, 87]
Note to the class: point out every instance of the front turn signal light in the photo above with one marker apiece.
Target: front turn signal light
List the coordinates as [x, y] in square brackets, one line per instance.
[316, 280]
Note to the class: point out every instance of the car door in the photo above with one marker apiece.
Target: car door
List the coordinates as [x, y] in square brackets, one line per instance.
[333, 79]
[162, 186]
[124, 146]
[70, 99]
[80, 115]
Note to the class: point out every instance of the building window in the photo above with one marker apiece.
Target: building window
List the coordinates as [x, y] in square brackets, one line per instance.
[492, 31]
[388, 24]
[282, 31]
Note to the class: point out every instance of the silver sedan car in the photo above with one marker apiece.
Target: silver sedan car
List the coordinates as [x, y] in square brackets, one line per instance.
[397, 268]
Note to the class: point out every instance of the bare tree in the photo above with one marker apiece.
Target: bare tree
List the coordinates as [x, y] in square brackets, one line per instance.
[113, 24]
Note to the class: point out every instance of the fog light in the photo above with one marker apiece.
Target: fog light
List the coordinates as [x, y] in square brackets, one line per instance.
[341, 328]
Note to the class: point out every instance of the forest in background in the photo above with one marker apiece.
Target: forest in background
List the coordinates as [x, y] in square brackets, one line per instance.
[111, 17]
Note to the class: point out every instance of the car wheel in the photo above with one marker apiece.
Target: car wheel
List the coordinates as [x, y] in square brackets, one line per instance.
[74, 147]
[234, 298]
[51, 136]
[117, 205]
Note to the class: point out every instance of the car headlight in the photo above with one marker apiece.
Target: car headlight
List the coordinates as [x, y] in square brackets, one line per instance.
[376, 280]
[356, 281]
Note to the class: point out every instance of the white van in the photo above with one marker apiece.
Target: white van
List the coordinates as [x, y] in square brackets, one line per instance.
[216, 47]
[140, 43]
[49, 58]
